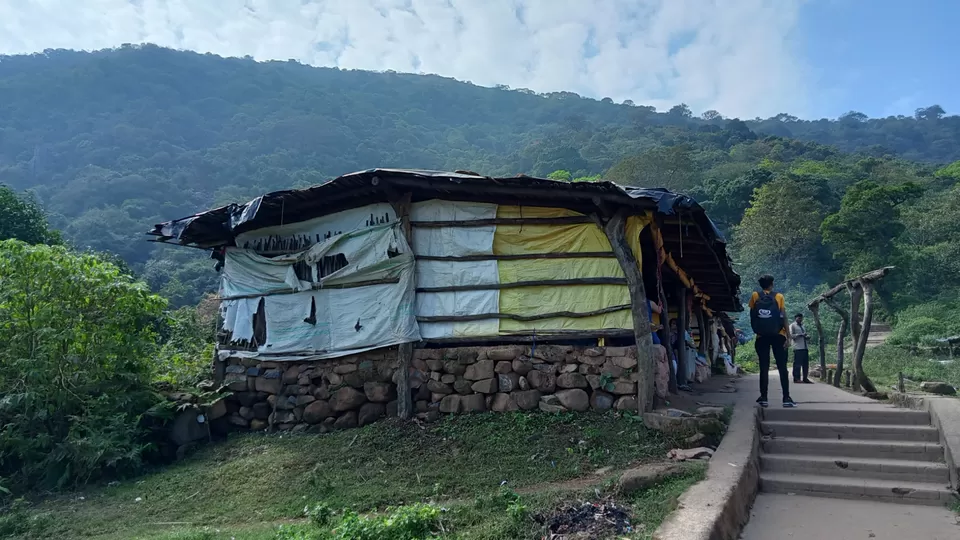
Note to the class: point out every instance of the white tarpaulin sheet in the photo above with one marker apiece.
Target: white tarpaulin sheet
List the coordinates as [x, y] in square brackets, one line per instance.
[316, 230]
[455, 242]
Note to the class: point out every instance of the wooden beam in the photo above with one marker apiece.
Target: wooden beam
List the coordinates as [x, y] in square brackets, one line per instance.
[315, 287]
[520, 284]
[482, 316]
[615, 228]
[568, 220]
[401, 205]
[681, 343]
[521, 256]
[821, 340]
[541, 336]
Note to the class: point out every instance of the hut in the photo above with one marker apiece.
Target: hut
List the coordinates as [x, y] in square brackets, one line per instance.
[417, 292]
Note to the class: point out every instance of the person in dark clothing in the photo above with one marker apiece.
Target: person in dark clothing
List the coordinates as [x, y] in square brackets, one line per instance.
[801, 354]
[769, 319]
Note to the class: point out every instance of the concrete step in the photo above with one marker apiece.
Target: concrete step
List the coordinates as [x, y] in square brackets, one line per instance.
[852, 488]
[830, 430]
[877, 416]
[840, 449]
[879, 469]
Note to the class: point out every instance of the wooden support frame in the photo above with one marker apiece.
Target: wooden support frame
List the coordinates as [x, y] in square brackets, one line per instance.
[614, 225]
[815, 309]
[401, 205]
[681, 342]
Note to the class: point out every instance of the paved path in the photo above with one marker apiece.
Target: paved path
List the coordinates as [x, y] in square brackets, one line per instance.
[786, 517]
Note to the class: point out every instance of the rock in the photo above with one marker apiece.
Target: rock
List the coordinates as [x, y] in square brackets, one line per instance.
[261, 410]
[430, 416]
[521, 367]
[454, 368]
[677, 413]
[448, 378]
[610, 368]
[246, 413]
[354, 380]
[258, 425]
[662, 422]
[523, 384]
[545, 382]
[284, 417]
[594, 352]
[621, 387]
[438, 387]
[624, 362]
[253, 372]
[270, 386]
[601, 401]
[504, 403]
[421, 406]
[593, 360]
[879, 396]
[486, 386]
[343, 369]
[435, 364]
[463, 355]
[450, 404]
[574, 399]
[322, 392]
[346, 421]
[572, 380]
[286, 403]
[236, 383]
[291, 375]
[694, 440]
[370, 413]
[569, 368]
[503, 366]
[547, 408]
[550, 399]
[480, 370]
[940, 388]
[218, 409]
[347, 398]
[272, 373]
[435, 375]
[547, 368]
[463, 386]
[503, 353]
[626, 403]
[379, 392]
[713, 412]
[634, 480]
[527, 399]
[618, 351]
[186, 429]
[235, 369]
[316, 412]
[300, 428]
[393, 408]
[427, 354]
[305, 400]
[508, 382]
[679, 454]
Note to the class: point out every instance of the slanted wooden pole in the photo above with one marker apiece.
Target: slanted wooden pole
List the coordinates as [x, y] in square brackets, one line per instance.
[841, 334]
[860, 346]
[401, 205]
[856, 294]
[615, 227]
[821, 342]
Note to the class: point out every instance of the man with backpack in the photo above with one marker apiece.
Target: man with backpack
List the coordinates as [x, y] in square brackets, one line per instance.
[769, 321]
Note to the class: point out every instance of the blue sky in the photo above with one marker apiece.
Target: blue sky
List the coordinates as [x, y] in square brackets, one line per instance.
[744, 58]
[881, 57]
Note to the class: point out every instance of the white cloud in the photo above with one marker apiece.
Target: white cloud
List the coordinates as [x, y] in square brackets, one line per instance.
[736, 56]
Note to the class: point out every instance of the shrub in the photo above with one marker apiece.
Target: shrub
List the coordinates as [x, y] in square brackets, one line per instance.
[77, 357]
[184, 359]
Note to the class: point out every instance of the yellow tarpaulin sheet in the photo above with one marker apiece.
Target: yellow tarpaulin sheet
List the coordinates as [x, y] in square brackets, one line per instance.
[577, 298]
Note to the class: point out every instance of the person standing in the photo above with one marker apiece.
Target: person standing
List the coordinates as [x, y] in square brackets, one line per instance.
[768, 317]
[801, 355]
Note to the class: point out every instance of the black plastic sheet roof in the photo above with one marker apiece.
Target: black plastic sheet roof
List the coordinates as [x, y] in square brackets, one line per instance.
[705, 256]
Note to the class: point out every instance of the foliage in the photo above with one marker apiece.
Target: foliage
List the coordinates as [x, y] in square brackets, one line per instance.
[184, 358]
[21, 218]
[78, 343]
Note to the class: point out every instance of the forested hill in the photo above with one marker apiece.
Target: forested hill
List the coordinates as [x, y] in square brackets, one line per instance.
[114, 141]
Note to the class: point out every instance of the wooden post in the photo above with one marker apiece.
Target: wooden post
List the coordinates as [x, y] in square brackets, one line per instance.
[856, 293]
[681, 343]
[860, 346]
[401, 205]
[841, 334]
[902, 388]
[815, 309]
[665, 322]
[615, 228]
[702, 327]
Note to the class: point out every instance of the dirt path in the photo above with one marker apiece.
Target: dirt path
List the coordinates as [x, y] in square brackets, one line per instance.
[879, 332]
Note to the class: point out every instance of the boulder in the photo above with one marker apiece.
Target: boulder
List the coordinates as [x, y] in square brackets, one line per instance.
[503, 353]
[679, 454]
[527, 400]
[316, 412]
[622, 388]
[272, 373]
[261, 410]
[486, 386]
[480, 370]
[713, 412]
[548, 408]
[379, 392]
[473, 403]
[346, 421]
[593, 352]
[503, 366]
[305, 399]
[547, 368]
[217, 410]
[504, 403]
[612, 369]
[624, 362]
[545, 382]
[940, 388]
[448, 378]
[347, 398]
[593, 381]
[284, 417]
[427, 354]
[246, 413]
[343, 369]
[258, 425]
[270, 386]
[435, 364]
[572, 380]
[508, 382]
[187, 428]
[463, 386]
[521, 367]
[236, 383]
[574, 399]
[322, 392]
[641, 478]
[618, 351]
[601, 401]
[569, 368]
[291, 375]
[393, 408]
[523, 384]
[626, 403]
[454, 368]
[370, 413]
[450, 404]
[438, 387]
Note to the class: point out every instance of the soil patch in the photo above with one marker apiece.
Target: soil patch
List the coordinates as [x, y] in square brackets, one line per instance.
[587, 520]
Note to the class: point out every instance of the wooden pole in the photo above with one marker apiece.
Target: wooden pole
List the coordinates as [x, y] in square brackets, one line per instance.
[681, 343]
[401, 205]
[860, 346]
[665, 322]
[615, 228]
[815, 309]
[841, 334]
[856, 294]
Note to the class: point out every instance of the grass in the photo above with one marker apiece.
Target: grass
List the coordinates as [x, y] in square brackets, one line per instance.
[882, 364]
[245, 487]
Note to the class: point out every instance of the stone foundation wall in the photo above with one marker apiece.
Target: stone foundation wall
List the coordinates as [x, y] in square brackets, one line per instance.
[357, 390]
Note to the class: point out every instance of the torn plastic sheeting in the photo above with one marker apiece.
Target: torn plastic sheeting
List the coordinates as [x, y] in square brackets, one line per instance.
[242, 214]
[320, 229]
[238, 317]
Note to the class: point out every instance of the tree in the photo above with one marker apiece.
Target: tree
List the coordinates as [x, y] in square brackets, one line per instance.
[933, 112]
[77, 357]
[862, 232]
[669, 167]
[560, 175]
[21, 218]
[711, 115]
[680, 111]
[853, 117]
[780, 233]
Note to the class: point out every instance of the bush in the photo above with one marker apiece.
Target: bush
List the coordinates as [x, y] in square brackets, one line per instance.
[411, 522]
[77, 357]
[184, 359]
[924, 323]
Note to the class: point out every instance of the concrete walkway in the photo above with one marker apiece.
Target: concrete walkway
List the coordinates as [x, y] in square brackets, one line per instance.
[786, 516]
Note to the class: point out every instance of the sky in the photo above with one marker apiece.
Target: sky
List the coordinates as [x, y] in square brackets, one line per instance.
[743, 58]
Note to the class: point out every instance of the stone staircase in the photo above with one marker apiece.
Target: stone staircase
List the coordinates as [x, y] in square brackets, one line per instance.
[875, 453]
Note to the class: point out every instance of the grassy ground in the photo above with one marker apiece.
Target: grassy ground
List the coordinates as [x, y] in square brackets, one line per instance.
[245, 487]
[882, 364]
